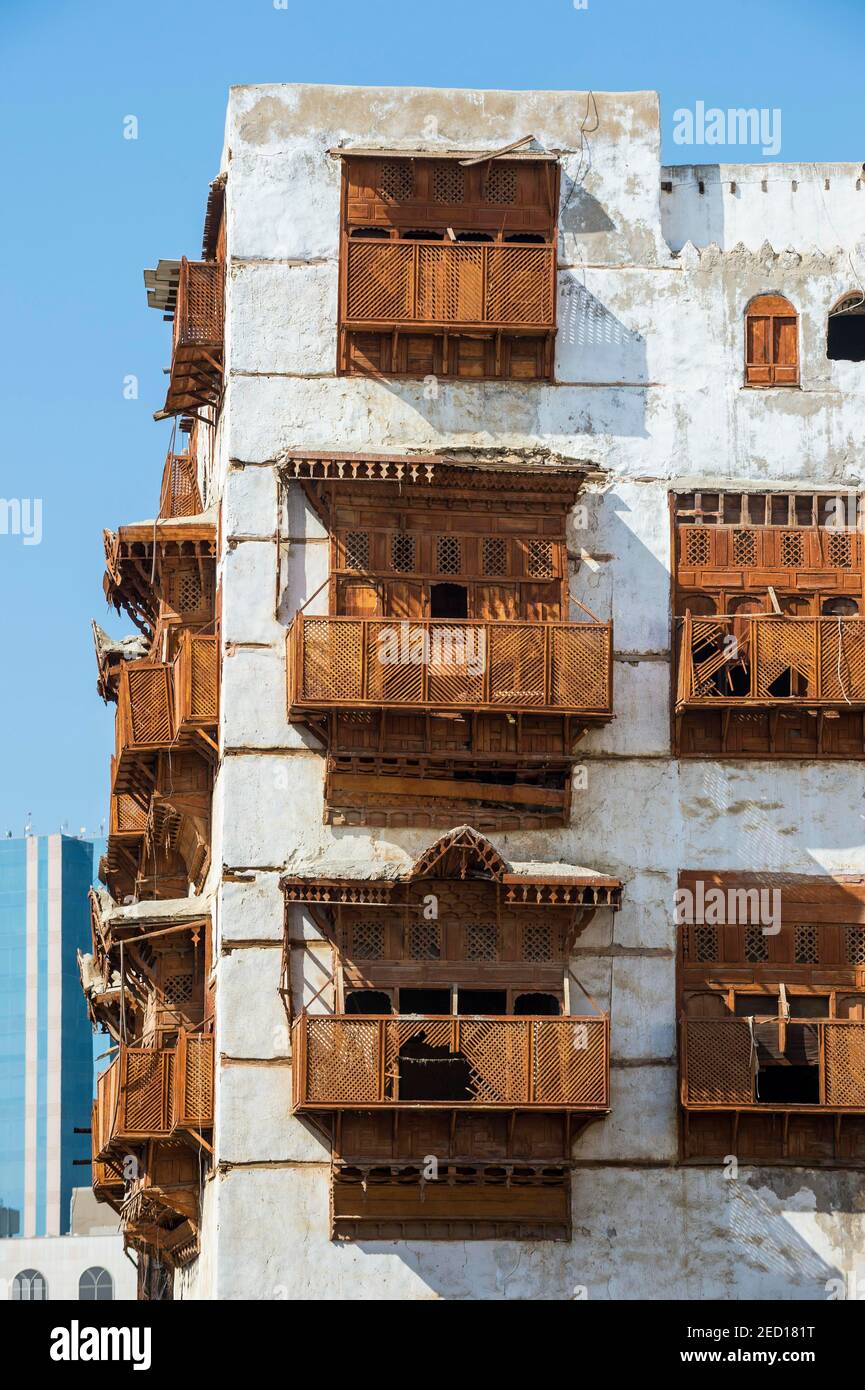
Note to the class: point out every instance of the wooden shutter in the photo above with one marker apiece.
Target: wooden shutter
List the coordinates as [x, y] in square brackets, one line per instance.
[771, 342]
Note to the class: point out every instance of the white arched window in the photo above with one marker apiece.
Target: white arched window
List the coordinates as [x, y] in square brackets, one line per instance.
[96, 1285]
[29, 1287]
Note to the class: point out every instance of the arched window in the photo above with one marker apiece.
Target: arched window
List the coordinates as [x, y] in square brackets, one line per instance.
[29, 1287]
[96, 1285]
[845, 331]
[771, 342]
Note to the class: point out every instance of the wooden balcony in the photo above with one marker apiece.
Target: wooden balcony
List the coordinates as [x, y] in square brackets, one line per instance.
[197, 349]
[770, 661]
[719, 1055]
[448, 285]
[196, 682]
[150, 1093]
[351, 663]
[342, 1062]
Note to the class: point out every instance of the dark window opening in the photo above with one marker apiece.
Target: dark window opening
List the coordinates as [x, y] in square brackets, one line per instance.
[525, 238]
[369, 234]
[789, 684]
[367, 1001]
[482, 1001]
[473, 236]
[546, 1004]
[840, 608]
[788, 1085]
[424, 1001]
[422, 234]
[448, 601]
[845, 336]
[432, 1073]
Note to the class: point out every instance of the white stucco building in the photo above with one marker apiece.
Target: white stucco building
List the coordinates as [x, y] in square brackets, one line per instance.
[690, 432]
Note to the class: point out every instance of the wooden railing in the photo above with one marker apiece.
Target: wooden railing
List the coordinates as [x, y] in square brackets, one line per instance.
[362, 1062]
[145, 707]
[457, 284]
[149, 1092]
[198, 316]
[180, 495]
[196, 682]
[765, 659]
[720, 1061]
[197, 354]
[562, 668]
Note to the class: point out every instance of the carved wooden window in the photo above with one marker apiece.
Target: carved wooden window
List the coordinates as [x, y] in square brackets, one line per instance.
[178, 988]
[356, 550]
[501, 184]
[806, 938]
[539, 559]
[448, 554]
[756, 944]
[495, 556]
[481, 941]
[538, 943]
[396, 181]
[425, 941]
[855, 944]
[771, 342]
[449, 182]
[368, 940]
[403, 552]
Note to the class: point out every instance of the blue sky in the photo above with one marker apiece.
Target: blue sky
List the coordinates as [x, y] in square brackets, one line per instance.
[86, 210]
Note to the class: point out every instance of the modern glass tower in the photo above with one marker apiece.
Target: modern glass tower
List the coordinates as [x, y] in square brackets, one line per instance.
[46, 1044]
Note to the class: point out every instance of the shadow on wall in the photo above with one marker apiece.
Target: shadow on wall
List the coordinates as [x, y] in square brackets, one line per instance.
[593, 343]
[581, 213]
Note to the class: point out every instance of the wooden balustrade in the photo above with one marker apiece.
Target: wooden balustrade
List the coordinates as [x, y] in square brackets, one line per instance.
[769, 660]
[459, 285]
[721, 1062]
[557, 668]
[196, 682]
[342, 1062]
[149, 1093]
[197, 354]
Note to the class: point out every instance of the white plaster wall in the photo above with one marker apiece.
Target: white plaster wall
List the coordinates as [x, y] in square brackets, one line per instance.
[649, 393]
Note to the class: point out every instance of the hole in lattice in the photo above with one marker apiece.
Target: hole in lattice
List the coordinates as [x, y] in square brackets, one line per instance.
[537, 943]
[744, 548]
[424, 941]
[495, 557]
[855, 944]
[756, 945]
[397, 181]
[706, 943]
[367, 940]
[449, 183]
[501, 184]
[481, 941]
[448, 554]
[178, 988]
[357, 550]
[806, 945]
[697, 546]
[540, 559]
[792, 549]
[402, 552]
[840, 550]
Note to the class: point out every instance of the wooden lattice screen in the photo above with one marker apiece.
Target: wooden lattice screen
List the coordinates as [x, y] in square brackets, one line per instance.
[782, 660]
[193, 1091]
[145, 717]
[350, 1062]
[145, 1108]
[479, 665]
[719, 1061]
[197, 681]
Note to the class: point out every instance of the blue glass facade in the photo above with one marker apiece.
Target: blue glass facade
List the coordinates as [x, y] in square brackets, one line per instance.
[44, 1030]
